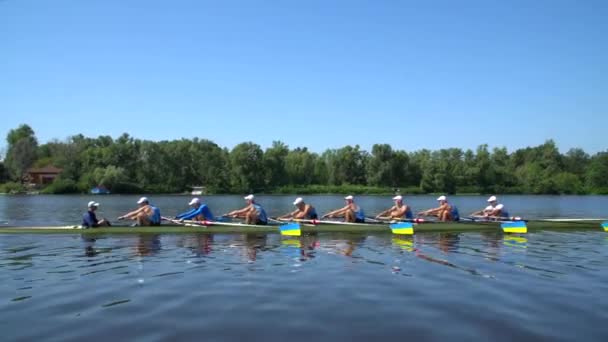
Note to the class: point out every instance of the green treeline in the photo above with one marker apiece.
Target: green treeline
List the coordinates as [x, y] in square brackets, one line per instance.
[129, 165]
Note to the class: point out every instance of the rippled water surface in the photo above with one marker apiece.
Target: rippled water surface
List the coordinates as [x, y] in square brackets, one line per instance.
[540, 286]
[546, 285]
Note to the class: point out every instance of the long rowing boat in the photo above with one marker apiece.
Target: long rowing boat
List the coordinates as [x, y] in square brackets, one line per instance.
[239, 228]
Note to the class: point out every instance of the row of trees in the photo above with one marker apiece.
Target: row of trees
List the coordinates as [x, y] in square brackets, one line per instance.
[132, 165]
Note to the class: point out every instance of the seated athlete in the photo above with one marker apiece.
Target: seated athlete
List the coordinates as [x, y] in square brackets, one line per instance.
[444, 212]
[253, 213]
[351, 212]
[89, 219]
[199, 212]
[303, 211]
[145, 215]
[493, 210]
[399, 211]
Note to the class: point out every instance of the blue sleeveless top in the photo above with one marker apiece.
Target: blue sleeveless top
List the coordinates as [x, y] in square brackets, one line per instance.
[455, 213]
[359, 215]
[261, 212]
[155, 218]
[312, 214]
[408, 214]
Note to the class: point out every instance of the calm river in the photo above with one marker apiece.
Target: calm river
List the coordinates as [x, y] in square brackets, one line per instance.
[327, 287]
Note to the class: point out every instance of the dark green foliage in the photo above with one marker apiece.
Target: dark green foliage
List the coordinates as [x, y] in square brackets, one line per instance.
[61, 186]
[129, 165]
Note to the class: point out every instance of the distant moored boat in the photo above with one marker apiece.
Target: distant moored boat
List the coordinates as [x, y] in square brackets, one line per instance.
[100, 190]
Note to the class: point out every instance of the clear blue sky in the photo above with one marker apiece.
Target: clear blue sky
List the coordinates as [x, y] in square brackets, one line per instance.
[320, 73]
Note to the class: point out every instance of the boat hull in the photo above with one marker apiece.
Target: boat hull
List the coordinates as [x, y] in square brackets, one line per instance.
[348, 228]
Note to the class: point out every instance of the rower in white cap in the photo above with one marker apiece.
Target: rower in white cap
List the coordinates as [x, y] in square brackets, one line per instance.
[493, 210]
[253, 213]
[145, 215]
[399, 211]
[199, 212]
[303, 211]
[89, 219]
[351, 212]
[444, 212]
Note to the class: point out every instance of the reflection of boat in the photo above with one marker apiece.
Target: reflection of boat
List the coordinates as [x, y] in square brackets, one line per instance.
[100, 190]
[226, 227]
[198, 190]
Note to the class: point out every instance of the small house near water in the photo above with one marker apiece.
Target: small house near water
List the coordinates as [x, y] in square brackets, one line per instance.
[42, 176]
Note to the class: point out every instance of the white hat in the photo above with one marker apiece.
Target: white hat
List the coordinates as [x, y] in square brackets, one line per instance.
[349, 197]
[398, 198]
[298, 201]
[194, 201]
[492, 199]
[93, 204]
[142, 200]
[249, 197]
[442, 198]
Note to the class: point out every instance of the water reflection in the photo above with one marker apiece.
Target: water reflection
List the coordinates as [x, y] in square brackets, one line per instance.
[147, 245]
[301, 248]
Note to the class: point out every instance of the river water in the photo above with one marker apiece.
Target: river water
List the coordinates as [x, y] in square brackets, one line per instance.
[470, 286]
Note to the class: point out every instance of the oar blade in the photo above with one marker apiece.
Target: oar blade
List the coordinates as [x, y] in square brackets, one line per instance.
[514, 227]
[291, 229]
[402, 228]
[605, 226]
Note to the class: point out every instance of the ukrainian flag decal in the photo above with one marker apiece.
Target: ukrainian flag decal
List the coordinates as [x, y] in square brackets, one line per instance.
[402, 228]
[291, 229]
[605, 226]
[514, 227]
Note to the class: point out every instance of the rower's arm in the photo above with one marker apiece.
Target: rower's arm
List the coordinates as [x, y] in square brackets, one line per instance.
[132, 214]
[385, 212]
[400, 211]
[240, 211]
[289, 215]
[337, 211]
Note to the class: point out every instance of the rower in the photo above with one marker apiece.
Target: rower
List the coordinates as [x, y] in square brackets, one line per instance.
[145, 215]
[398, 211]
[444, 212]
[351, 212]
[89, 219]
[493, 210]
[199, 212]
[303, 211]
[253, 213]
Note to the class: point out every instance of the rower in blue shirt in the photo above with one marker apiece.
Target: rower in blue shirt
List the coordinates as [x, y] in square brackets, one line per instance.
[352, 212]
[89, 219]
[253, 213]
[445, 212]
[199, 212]
[303, 211]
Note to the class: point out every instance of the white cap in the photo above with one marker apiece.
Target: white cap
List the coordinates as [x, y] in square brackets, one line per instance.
[249, 197]
[298, 201]
[349, 197]
[93, 204]
[398, 198]
[492, 199]
[442, 198]
[142, 200]
[194, 201]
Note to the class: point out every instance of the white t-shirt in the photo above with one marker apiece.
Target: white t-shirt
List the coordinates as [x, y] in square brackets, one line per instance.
[497, 207]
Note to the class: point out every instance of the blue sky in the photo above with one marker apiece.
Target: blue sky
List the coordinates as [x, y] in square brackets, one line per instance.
[317, 73]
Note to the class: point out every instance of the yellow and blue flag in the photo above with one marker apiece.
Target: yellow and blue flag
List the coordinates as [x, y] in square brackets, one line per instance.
[402, 228]
[605, 226]
[291, 229]
[514, 227]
